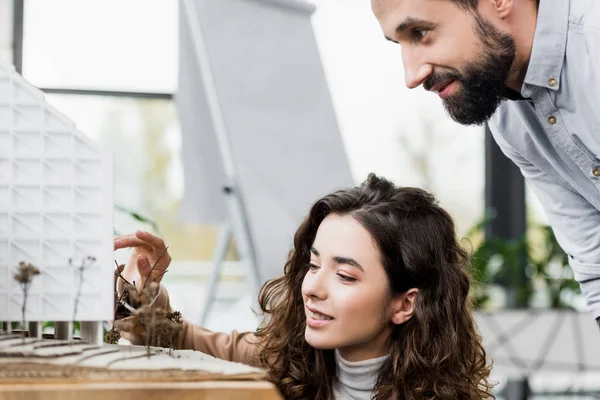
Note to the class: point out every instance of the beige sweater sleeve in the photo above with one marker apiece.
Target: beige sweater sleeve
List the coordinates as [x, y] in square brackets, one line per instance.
[236, 346]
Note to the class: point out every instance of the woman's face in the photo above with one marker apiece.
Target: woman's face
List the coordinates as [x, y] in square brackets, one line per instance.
[346, 292]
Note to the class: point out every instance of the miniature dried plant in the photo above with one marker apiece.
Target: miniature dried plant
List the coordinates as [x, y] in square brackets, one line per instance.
[147, 319]
[86, 263]
[175, 316]
[112, 336]
[121, 311]
[161, 327]
[147, 315]
[149, 282]
[172, 331]
[167, 330]
[131, 294]
[24, 276]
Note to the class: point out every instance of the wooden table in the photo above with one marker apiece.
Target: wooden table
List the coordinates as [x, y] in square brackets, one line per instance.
[207, 390]
[43, 369]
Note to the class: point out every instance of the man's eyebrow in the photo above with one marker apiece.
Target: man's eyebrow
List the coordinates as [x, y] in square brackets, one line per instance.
[411, 22]
[348, 261]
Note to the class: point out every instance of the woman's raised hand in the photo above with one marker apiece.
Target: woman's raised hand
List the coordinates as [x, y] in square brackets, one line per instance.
[148, 261]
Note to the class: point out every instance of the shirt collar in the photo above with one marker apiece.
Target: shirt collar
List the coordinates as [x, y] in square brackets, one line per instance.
[359, 375]
[549, 43]
[510, 94]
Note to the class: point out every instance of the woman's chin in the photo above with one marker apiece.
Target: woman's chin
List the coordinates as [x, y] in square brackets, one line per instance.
[320, 343]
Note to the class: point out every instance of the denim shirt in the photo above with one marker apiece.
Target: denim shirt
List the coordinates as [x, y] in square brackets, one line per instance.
[553, 135]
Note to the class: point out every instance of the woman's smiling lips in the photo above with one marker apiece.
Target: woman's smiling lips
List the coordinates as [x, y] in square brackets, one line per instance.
[316, 319]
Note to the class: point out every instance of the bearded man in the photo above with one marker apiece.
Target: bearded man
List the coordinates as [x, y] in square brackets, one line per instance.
[531, 70]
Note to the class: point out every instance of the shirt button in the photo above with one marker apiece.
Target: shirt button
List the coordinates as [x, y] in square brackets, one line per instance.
[552, 120]
[596, 172]
[552, 82]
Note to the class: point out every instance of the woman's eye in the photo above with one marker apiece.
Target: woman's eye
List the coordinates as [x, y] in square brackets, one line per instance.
[419, 33]
[347, 278]
[313, 267]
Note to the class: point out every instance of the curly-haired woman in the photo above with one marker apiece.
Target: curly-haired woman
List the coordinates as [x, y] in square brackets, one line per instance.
[373, 303]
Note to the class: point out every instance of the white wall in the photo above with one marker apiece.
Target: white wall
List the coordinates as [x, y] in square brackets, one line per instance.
[6, 27]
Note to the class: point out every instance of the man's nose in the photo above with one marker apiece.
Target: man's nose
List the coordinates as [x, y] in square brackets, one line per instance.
[415, 71]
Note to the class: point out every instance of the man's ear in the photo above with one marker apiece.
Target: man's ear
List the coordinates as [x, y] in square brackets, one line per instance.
[403, 306]
[499, 9]
[503, 8]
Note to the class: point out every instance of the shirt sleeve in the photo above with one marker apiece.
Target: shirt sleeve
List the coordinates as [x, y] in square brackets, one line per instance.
[575, 222]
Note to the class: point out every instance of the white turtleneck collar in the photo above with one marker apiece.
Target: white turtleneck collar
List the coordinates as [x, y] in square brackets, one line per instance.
[356, 380]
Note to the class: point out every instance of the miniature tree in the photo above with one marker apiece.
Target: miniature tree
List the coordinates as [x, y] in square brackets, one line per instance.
[174, 328]
[85, 264]
[24, 276]
[112, 336]
[161, 327]
[147, 315]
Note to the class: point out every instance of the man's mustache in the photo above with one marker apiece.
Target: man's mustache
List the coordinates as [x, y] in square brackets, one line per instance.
[439, 77]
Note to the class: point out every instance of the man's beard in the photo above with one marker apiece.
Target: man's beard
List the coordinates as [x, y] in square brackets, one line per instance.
[482, 84]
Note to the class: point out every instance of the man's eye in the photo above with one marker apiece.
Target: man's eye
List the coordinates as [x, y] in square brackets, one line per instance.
[419, 33]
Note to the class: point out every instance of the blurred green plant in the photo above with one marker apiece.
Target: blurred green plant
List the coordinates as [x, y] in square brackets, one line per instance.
[559, 281]
[135, 215]
[50, 324]
[531, 265]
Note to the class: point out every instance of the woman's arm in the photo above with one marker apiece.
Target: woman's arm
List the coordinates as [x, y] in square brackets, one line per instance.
[237, 347]
[148, 261]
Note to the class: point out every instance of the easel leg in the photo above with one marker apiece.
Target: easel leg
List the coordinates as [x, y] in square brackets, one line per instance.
[223, 240]
[238, 219]
[243, 238]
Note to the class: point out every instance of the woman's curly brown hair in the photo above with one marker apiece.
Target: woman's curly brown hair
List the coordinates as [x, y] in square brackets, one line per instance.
[437, 354]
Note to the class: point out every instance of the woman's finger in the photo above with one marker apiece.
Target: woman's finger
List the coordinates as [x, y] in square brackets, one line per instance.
[132, 338]
[132, 242]
[129, 327]
[124, 236]
[143, 267]
[150, 238]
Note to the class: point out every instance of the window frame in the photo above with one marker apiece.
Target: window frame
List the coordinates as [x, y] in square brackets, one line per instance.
[18, 28]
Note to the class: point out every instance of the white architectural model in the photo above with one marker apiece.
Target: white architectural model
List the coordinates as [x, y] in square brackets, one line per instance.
[55, 205]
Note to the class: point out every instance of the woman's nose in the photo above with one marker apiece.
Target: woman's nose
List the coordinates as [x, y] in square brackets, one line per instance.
[315, 285]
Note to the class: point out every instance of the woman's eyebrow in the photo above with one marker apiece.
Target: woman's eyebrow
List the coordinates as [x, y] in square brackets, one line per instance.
[341, 260]
[348, 261]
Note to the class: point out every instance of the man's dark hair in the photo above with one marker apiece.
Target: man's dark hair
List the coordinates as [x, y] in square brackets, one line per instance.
[468, 5]
[471, 5]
